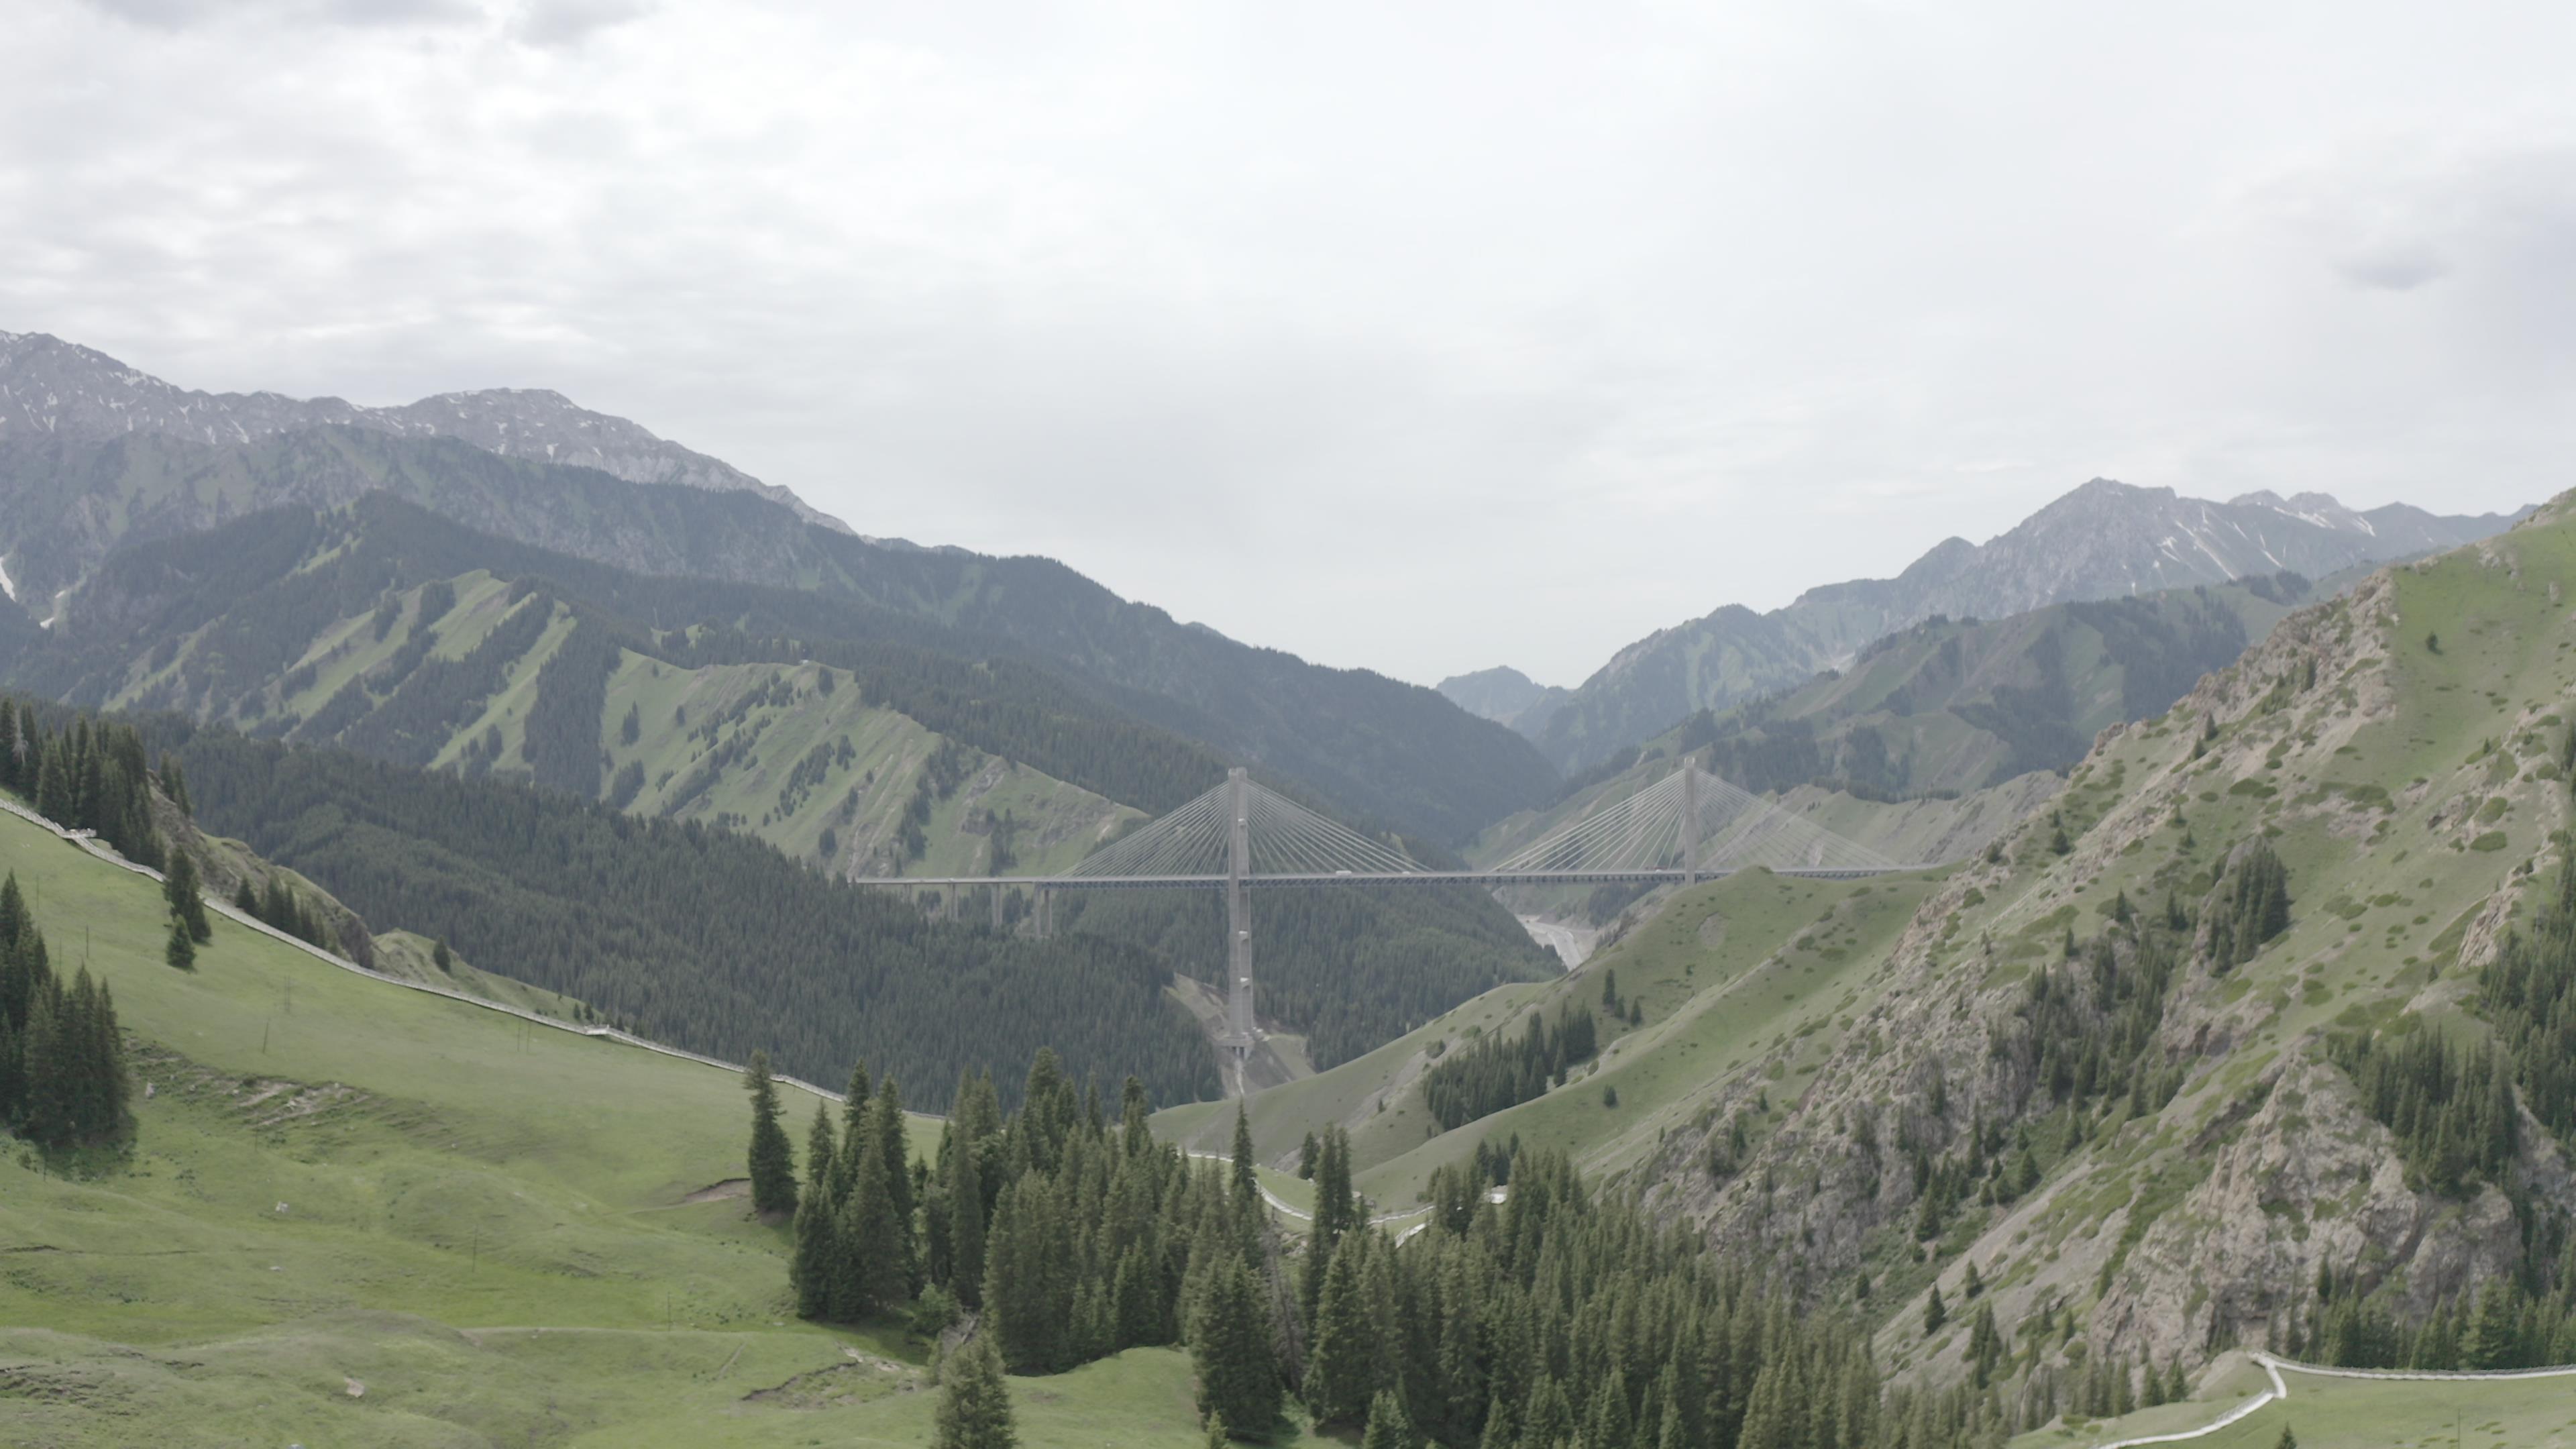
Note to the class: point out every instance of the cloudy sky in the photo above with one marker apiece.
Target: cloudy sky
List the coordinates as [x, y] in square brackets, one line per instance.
[1409, 336]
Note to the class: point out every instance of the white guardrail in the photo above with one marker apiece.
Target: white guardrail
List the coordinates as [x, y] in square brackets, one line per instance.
[88, 841]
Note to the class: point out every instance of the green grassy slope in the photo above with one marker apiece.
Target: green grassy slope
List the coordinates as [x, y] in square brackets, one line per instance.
[2339, 1413]
[359, 1214]
[1720, 973]
[720, 743]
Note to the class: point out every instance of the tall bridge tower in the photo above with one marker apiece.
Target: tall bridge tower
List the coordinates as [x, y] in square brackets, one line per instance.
[1238, 1036]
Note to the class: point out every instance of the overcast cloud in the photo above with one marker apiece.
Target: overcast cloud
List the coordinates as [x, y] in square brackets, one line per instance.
[1409, 337]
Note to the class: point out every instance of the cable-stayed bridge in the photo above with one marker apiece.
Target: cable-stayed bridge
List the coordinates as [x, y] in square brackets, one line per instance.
[1688, 827]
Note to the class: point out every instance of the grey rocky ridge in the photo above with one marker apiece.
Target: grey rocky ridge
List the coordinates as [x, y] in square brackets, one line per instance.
[2104, 540]
[50, 388]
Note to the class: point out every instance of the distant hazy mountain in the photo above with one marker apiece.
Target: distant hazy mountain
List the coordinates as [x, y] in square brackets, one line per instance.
[50, 388]
[1502, 694]
[2105, 540]
[95, 458]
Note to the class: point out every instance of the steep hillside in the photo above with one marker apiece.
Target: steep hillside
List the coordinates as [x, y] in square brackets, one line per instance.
[1883, 751]
[703, 938]
[2256, 1037]
[358, 1214]
[76, 482]
[2104, 540]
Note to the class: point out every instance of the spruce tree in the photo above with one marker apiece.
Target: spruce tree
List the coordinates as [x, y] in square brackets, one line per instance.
[174, 783]
[1230, 1347]
[1306, 1154]
[872, 1237]
[1247, 1184]
[974, 1400]
[965, 1193]
[1548, 1423]
[1935, 1312]
[809, 1270]
[180, 951]
[1388, 1428]
[896, 1156]
[1342, 1368]
[187, 899]
[772, 1158]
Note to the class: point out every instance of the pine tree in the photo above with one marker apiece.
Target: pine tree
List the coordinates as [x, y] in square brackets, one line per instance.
[1548, 1423]
[180, 951]
[964, 1189]
[772, 1159]
[974, 1400]
[872, 1239]
[809, 1271]
[1388, 1428]
[1247, 1184]
[1342, 1370]
[174, 783]
[187, 899]
[1230, 1346]
[2287, 1440]
[895, 1155]
[1935, 1312]
[1306, 1153]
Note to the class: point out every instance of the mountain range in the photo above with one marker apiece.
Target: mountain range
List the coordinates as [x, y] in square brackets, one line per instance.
[50, 388]
[2104, 540]
[97, 456]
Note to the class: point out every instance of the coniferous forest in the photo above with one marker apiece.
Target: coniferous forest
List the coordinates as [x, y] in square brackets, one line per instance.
[703, 938]
[1559, 1316]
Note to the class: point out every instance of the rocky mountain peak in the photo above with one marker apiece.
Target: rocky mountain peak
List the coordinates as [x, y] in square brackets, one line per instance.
[50, 388]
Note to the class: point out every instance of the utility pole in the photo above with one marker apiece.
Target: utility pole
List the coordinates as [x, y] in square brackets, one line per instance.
[1238, 915]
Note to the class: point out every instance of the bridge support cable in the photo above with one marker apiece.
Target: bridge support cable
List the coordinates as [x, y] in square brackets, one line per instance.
[1694, 824]
[1684, 828]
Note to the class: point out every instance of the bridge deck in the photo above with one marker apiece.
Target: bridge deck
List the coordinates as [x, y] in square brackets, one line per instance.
[1350, 878]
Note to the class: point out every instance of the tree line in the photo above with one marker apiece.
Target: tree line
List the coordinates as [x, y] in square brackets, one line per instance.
[81, 774]
[62, 1062]
[1495, 1072]
[697, 936]
[1557, 1317]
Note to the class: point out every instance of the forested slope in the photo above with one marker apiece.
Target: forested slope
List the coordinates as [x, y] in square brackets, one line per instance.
[696, 936]
[1371, 746]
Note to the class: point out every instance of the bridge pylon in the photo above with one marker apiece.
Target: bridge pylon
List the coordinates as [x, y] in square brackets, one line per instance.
[1239, 1034]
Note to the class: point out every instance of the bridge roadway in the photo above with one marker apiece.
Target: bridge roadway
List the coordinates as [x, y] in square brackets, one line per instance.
[1350, 878]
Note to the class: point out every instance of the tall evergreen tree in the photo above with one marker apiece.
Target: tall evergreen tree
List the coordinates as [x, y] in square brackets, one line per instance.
[1343, 1370]
[187, 897]
[1388, 1428]
[772, 1158]
[871, 1236]
[1230, 1346]
[1247, 1183]
[974, 1400]
[179, 950]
